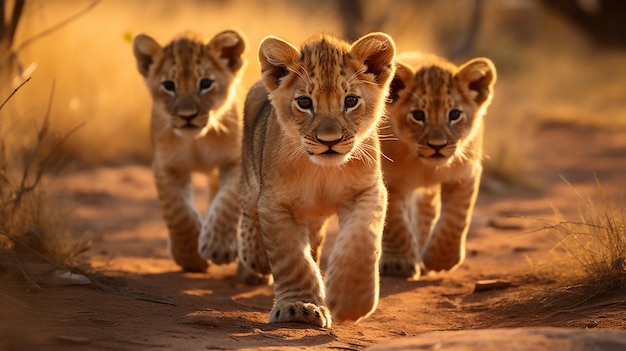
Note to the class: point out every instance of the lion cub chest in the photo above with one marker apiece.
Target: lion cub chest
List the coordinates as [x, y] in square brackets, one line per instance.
[317, 191]
[202, 155]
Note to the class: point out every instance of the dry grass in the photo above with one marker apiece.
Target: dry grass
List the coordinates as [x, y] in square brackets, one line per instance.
[587, 266]
[593, 247]
[585, 270]
[34, 230]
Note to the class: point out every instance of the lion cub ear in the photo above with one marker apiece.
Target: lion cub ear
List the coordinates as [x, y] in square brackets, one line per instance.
[401, 80]
[145, 48]
[377, 51]
[275, 55]
[230, 45]
[478, 75]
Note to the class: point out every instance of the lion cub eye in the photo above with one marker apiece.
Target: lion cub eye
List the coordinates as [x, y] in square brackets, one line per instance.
[350, 101]
[418, 116]
[204, 84]
[454, 115]
[169, 86]
[305, 103]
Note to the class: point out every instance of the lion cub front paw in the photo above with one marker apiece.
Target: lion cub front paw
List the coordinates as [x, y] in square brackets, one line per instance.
[219, 249]
[394, 266]
[301, 312]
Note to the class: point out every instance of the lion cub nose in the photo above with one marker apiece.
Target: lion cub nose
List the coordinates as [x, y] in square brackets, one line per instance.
[187, 109]
[188, 116]
[329, 140]
[438, 147]
[328, 132]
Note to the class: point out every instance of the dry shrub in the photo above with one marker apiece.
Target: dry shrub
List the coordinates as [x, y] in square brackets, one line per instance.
[35, 236]
[585, 270]
[593, 248]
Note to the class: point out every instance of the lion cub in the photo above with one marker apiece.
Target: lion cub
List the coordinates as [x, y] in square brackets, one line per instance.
[195, 127]
[436, 114]
[310, 150]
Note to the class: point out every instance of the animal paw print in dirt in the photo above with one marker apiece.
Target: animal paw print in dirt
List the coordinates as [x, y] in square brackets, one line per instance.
[302, 312]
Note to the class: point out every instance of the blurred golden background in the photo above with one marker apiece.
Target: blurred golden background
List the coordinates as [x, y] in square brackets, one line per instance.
[547, 67]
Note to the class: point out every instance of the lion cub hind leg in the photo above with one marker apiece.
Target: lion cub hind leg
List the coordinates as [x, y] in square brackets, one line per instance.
[399, 257]
[218, 236]
[251, 278]
[255, 267]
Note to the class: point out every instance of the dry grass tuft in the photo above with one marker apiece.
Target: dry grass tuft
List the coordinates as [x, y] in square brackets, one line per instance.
[587, 266]
[593, 248]
[35, 237]
[586, 270]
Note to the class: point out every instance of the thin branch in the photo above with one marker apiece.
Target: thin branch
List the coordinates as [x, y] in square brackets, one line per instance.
[18, 302]
[41, 134]
[52, 29]
[13, 93]
[2, 19]
[41, 255]
[471, 32]
[18, 8]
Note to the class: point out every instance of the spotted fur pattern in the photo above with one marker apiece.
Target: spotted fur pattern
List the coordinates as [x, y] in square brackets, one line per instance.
[434, 167]
[311, 150]
[195, 126]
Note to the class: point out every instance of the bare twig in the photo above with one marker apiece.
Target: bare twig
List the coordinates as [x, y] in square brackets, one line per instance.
[32, 285]
[35, 252]
[41, 135]
[13, 93]
[2, 24]
[18, 7]
[16, 301]
[470, 32]
[52, 29]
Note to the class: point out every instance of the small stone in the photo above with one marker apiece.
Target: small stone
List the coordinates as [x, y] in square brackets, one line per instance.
[492, 284]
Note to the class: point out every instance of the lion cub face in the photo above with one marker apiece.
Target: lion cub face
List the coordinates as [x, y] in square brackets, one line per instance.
[191, 78]
[437, 107]
[327, 95]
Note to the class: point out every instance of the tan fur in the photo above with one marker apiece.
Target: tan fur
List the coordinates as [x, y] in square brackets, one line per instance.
[195, 126]
[432, 193]
[292, 182]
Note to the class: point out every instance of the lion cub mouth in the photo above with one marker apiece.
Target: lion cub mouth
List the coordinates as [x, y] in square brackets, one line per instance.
[330, 152]
[328, 158]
